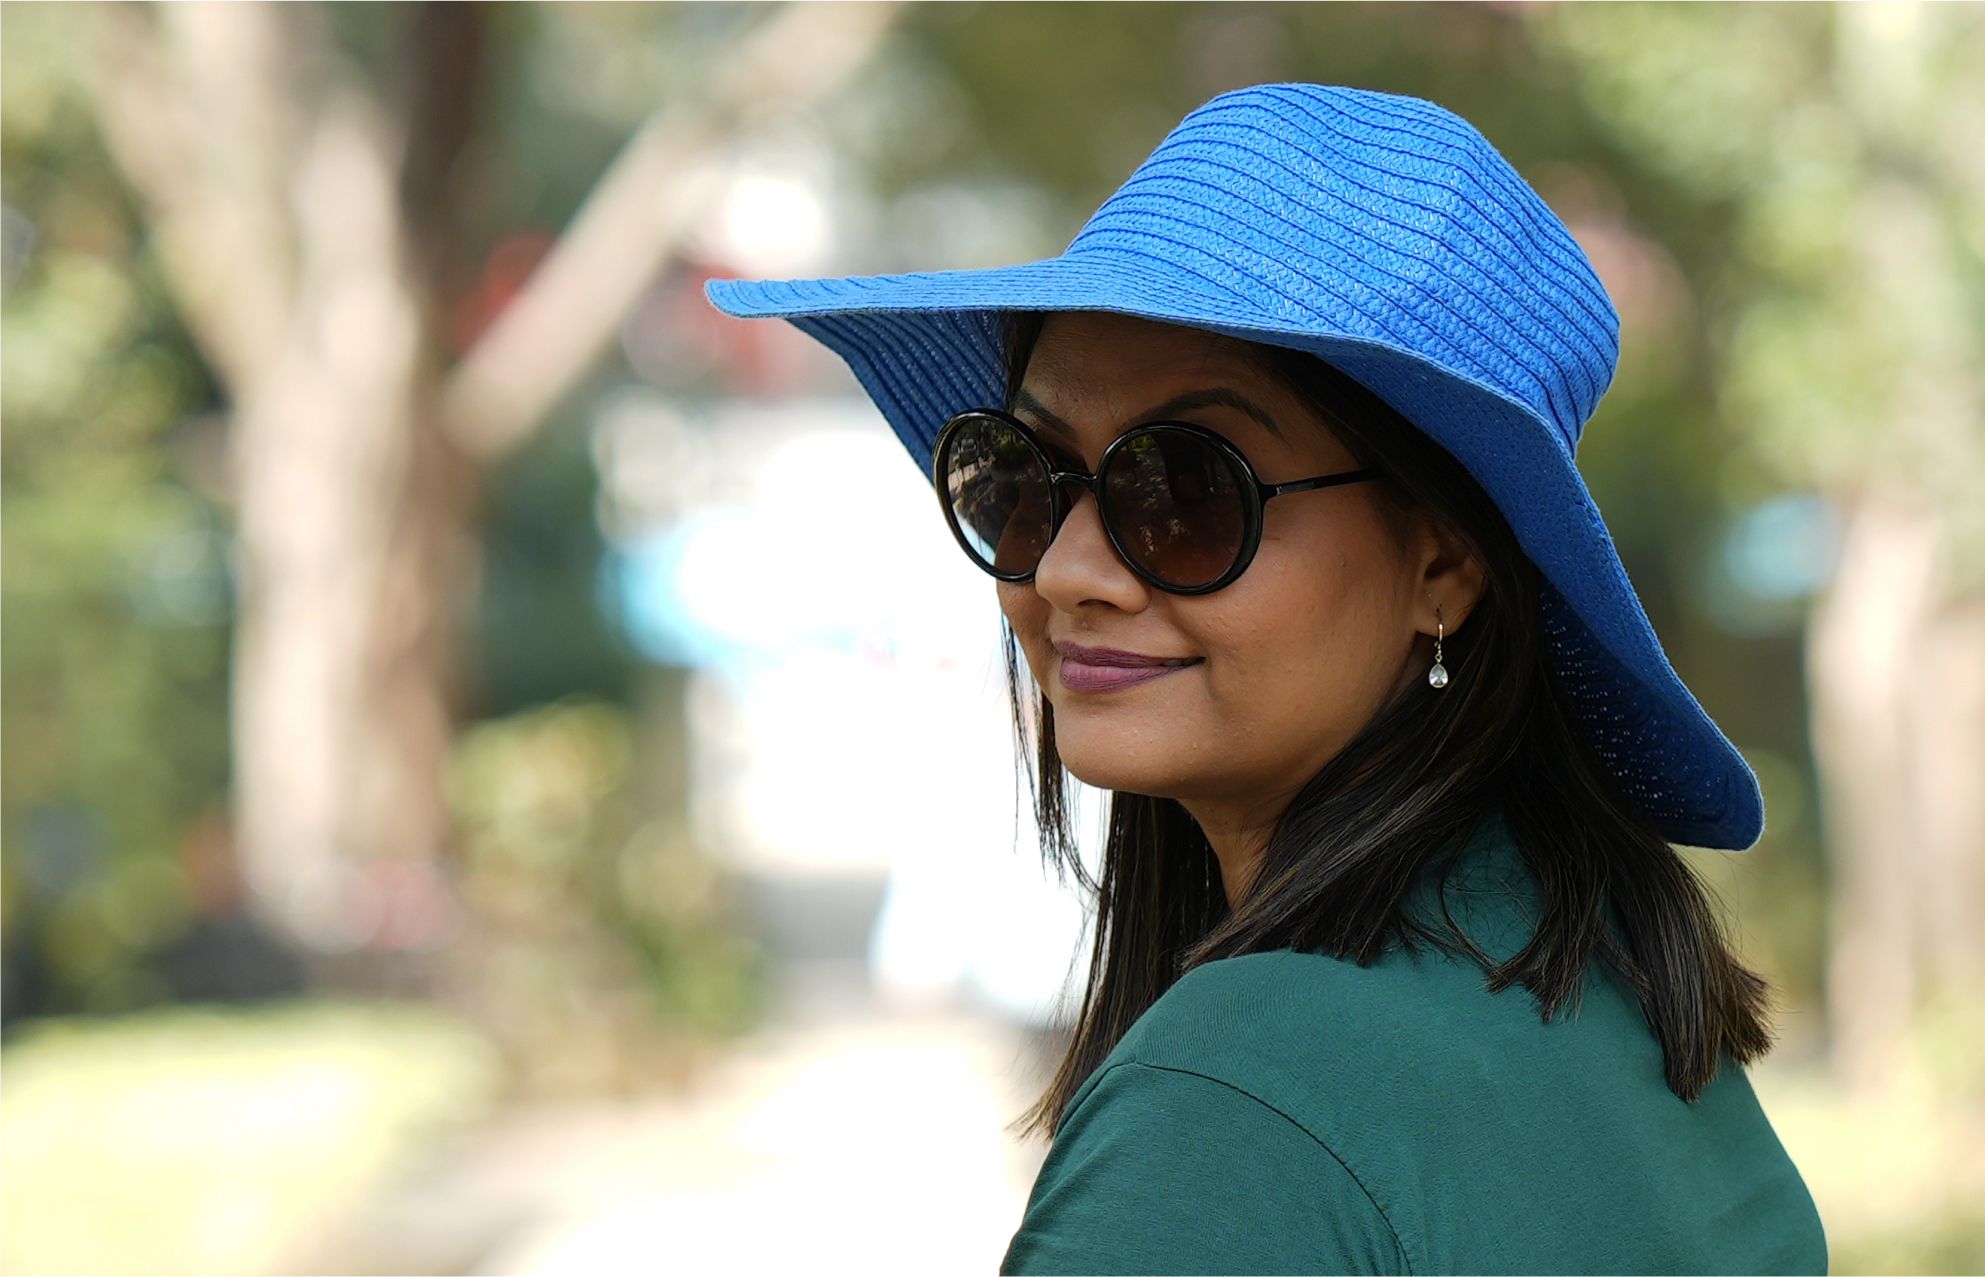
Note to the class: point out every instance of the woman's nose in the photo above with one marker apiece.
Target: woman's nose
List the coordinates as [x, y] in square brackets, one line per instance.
[1080, 564]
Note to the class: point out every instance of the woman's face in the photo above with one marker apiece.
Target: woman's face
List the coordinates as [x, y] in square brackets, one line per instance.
[1289, 661]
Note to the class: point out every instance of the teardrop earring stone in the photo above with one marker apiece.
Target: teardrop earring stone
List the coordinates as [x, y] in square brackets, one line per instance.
[1437, 676]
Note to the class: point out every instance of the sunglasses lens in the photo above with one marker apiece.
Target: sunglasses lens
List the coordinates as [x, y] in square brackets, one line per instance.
[996, 489]
[1178, 506]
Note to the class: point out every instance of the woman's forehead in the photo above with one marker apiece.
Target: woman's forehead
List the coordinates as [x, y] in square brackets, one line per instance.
[1114, 374]
[1103, 374]
[1191, 402]
[1096, 374]
[1071, 342]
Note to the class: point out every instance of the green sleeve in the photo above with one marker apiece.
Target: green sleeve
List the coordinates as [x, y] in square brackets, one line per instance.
[1160, 1170]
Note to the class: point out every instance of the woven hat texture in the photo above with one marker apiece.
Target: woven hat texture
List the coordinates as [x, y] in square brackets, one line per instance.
[1386, 235]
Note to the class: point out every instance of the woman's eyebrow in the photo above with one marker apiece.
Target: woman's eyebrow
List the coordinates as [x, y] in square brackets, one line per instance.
[1211, 397]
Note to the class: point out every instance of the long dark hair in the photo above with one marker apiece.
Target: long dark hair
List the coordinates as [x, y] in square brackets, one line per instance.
[1416, 780]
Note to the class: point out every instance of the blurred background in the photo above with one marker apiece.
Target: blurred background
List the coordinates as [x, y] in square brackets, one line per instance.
[480, 798]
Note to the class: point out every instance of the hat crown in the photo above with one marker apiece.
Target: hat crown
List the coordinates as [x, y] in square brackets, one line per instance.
[1380, 215]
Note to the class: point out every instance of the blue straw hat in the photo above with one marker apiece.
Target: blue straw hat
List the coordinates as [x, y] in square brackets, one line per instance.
[1386, 235]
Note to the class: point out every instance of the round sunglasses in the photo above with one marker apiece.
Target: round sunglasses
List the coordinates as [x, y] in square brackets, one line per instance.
[1180, 503]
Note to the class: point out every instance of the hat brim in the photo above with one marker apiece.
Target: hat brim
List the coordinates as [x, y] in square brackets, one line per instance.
[925, 345]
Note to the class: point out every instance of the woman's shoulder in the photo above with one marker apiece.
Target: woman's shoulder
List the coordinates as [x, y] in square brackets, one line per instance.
[1409, 1041]
[1296, 1011]
[1287, 1021]
[1140, 1140]
[1415, 1080]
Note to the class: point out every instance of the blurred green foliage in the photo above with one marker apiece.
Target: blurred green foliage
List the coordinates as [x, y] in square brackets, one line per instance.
[603, 946]
[208, 1140]
[113, 574]
[539, 633]
[115, 538]
[1842, 309]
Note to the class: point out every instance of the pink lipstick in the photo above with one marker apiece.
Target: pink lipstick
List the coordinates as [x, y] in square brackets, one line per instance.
[1106, 669]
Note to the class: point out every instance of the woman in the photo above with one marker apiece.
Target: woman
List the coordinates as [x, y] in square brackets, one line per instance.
[1273, 467]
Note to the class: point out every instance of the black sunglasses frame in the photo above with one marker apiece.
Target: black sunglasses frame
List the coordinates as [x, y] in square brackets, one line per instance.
[1254, 493]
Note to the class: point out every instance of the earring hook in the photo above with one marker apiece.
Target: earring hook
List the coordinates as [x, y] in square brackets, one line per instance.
[1437, 676]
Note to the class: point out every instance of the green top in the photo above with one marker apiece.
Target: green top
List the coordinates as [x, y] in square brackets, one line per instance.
[1291, 1112]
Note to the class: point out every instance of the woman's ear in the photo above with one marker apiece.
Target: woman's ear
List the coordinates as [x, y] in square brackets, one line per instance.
[1450, 576]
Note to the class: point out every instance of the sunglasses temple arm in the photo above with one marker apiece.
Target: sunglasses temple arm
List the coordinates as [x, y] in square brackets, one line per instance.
[1325, 481]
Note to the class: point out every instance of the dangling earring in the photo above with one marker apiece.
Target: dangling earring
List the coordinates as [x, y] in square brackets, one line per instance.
[1437, 676]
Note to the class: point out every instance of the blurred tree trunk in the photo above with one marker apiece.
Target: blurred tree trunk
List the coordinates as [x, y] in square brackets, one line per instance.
[1862, 650]
[279, 206]
[1898, 700]
[306, 228]
[1898, 728]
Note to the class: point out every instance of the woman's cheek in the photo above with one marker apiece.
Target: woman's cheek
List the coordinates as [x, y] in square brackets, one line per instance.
[1021, 610]
[1025, 616]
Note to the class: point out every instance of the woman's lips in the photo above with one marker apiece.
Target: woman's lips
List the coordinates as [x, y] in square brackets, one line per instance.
[1080, 677]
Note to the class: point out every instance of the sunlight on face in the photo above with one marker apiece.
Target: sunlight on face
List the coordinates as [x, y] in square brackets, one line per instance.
[1292, 658]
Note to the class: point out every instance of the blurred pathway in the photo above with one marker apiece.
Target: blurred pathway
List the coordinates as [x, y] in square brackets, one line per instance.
[848, 1135]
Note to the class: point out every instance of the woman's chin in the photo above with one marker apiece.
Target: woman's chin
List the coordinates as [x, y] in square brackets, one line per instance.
[1109, 766]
